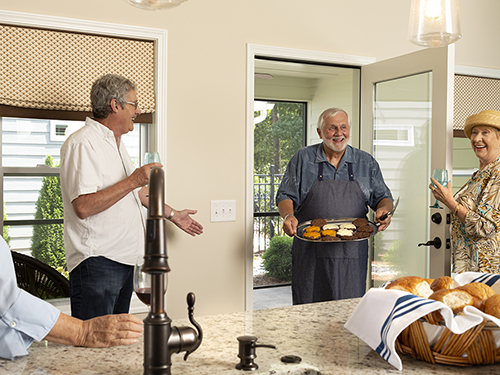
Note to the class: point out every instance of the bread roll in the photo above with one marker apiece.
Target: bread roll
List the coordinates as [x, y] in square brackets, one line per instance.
[443, 282]
[455, 299]
[412, 284]
[480, 292]
[492, 306]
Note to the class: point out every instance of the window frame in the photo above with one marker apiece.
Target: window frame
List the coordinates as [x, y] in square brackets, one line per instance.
[157, 135]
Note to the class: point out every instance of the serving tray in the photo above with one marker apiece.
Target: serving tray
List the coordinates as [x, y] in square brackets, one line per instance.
[302, 226]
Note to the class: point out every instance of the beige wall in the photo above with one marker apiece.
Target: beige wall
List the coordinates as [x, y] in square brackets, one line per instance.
[207, 97]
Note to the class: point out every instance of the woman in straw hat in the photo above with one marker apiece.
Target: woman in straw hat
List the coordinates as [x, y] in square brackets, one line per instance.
[476, 206]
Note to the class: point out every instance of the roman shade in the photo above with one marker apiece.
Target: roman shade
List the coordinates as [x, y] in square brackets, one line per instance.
[48, 74]
[473, 95]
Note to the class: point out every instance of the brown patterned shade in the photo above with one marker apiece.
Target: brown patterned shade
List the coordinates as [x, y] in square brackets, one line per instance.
[473, 95]
[53, 70]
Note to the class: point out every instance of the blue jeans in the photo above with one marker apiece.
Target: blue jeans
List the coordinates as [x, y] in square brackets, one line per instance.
[99, 286]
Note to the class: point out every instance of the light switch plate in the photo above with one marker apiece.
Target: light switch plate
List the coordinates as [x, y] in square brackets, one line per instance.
[222, 211]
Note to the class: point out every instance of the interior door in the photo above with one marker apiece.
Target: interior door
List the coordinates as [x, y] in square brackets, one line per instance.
[407, 125]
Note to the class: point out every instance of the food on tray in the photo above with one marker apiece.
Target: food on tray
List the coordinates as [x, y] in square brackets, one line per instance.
[312, 228]
[312, 235]
[443, 282]
[492, 306]
[360, 222]
[357, 229]
[412, 284]
[349, 226]
[318, 222]
[343, 232]
[328, 232]
[330, 226]
[455, 299]
[480, 292]
[365, 228]
[330, 238]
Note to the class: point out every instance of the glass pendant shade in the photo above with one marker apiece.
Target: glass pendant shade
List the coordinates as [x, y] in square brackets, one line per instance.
[154, 4]
[434, 23]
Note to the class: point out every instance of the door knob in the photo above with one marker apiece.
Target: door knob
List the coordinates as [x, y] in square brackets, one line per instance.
[436, 242]
[436, 218]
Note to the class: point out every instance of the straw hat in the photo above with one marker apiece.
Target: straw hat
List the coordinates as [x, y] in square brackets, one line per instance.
[486, 118]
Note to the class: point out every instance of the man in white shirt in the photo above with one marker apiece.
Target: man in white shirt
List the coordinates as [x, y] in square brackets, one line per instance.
[20, 326]
[103, 196]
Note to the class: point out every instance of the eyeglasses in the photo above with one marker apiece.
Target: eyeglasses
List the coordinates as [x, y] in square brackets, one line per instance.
[136, 104]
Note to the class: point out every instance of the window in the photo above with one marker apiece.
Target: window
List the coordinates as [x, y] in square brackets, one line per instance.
[33, 220]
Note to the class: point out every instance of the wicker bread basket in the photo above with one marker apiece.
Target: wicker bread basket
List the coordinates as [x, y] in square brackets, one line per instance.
[473, 347]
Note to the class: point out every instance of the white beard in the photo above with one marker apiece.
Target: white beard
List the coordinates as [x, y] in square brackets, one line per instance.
[335, 146]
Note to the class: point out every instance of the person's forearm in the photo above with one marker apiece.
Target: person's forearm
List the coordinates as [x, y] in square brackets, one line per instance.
[144, 197]
[65, 331]
[459, 210]
[285, 207]
[91, 204]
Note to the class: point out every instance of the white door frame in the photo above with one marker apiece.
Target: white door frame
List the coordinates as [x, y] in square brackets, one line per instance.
[254, 50]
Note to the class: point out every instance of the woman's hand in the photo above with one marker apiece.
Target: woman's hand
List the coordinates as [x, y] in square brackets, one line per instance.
[443, 194]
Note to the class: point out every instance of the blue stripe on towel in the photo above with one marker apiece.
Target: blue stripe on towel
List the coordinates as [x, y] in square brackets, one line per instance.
[487, 278]
[403, 306]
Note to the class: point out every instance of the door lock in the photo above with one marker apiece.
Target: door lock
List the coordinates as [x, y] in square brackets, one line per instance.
[436, 242]
[436, 218]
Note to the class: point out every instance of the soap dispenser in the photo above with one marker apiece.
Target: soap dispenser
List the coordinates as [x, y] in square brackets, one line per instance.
[246, 352]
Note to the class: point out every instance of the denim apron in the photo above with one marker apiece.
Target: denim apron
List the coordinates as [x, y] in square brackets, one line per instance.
[328, 270]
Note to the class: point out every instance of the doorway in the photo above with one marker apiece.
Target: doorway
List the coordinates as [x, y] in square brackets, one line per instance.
[439, 63]
[317, 81]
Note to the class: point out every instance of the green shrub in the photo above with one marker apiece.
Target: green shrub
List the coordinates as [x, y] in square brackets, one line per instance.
[277, 260]
[6, 235]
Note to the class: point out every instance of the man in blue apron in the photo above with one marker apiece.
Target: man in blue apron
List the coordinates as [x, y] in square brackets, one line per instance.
[327, 181]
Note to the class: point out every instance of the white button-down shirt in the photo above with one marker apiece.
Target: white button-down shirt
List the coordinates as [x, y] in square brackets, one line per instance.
[91, 161]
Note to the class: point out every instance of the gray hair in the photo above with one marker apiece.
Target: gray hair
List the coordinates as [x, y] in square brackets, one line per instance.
[107, 88]
[330, 112]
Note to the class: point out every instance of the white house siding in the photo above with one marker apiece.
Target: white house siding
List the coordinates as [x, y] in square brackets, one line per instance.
[26, 143]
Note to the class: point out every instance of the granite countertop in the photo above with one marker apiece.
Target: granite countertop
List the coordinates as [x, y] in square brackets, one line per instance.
[314, 332]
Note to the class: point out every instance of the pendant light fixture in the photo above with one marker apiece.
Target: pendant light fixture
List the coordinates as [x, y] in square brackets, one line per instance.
[154, 4]
[434, 23]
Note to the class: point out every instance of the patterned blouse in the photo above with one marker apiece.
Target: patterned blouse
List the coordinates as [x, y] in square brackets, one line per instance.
[476, 243]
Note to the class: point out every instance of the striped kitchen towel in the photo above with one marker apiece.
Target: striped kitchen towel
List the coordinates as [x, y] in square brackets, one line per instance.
[383, 314]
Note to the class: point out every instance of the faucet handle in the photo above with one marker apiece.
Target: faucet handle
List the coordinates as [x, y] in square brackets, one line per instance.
[190, 301]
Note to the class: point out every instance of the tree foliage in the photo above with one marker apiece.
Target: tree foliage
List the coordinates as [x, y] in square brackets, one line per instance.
[6, 235]
[278, 137]
[47, 243]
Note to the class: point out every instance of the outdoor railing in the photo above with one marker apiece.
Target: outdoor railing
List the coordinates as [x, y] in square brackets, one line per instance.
[267, 221]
